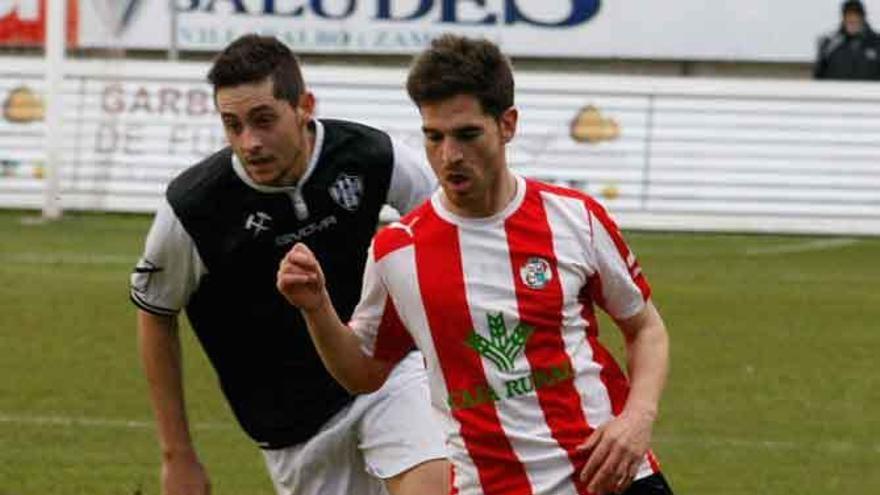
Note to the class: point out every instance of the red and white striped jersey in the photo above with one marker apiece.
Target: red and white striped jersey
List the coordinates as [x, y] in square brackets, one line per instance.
[503, 311]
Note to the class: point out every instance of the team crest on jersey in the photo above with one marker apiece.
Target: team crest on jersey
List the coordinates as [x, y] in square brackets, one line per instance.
[536, 273]
[503, 346]
[347, 191]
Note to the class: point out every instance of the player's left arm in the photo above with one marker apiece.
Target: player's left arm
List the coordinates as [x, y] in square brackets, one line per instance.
[301, 281]
[412, 180]
[617, 448]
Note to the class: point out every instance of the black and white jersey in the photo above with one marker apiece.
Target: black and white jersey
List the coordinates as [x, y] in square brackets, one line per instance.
[214, 250]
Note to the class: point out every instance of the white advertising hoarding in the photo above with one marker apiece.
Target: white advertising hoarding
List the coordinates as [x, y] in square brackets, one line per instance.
[667, 153]
[745, 30]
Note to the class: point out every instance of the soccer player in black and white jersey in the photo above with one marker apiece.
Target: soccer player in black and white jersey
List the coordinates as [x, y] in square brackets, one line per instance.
[213, 251]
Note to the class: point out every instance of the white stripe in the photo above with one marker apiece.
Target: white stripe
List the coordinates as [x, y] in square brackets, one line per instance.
[566, 215]
[623, 298]
[399, 271]
[68, 259]
[79, 422]
[490, 287]
[802, 247]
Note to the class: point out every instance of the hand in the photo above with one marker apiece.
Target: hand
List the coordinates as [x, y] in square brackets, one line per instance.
[615, 451]
[184, 475]
[300, 279]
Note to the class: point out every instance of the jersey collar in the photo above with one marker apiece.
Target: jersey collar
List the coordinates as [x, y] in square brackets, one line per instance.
[310, 167]
[507, 211]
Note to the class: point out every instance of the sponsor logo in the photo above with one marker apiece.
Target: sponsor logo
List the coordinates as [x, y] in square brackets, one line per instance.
[536, 273]
[23, 106]
[502, 348]
[23, 22]
[589, 125]
[306, 231]
[258, 222]
[117, 15]
[561, 14]
[347, 191]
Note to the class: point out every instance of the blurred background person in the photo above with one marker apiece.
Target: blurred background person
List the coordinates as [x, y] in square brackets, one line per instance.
[853, 50]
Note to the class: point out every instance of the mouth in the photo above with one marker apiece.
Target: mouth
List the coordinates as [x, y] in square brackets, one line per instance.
[458, 182]
[259, 161]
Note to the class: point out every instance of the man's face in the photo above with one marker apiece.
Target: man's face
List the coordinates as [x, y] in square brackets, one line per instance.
[269, 136]
[466, 149]
[853, 22]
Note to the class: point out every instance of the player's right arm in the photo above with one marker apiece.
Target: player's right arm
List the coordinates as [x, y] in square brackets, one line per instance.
[301, 281]
[182, 472]
[161, 284]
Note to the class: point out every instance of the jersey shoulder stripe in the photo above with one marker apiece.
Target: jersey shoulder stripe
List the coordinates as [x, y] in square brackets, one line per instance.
[400, 234]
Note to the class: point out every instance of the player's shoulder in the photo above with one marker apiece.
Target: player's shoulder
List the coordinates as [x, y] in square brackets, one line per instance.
[552, 190]
[402, 233]
[201, 179]
[337, 131]
[354, 143]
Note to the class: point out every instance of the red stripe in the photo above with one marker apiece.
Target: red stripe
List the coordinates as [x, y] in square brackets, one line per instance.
[529, 236]
[441, 282]
[599, 213]
[393, 341]
[388, 240]
[611, 375]
[652, 460]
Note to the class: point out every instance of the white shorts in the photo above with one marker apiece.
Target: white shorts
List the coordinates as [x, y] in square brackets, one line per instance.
[377, 436]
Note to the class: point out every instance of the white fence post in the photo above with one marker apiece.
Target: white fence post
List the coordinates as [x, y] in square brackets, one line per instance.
[56, 45]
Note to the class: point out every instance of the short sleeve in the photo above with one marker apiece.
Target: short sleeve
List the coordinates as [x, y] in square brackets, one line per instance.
[170, 268]
[376, 321]
[412, 180]
[620, 287]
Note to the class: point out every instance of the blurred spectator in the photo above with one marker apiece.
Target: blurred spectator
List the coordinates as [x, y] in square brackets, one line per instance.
[851, 52]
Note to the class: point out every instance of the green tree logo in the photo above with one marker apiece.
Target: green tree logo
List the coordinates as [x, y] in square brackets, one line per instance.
[504, 346]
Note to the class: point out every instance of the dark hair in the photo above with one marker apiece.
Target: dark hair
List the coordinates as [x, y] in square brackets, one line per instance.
[853, 6]
[252, 58]
[455, 65]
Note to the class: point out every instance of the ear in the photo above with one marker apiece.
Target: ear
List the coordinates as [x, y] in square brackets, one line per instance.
[507, 123]
[306, 106]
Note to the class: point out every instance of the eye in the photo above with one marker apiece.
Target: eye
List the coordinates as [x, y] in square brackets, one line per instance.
[433, 137]
[232, 126]
[264, 121]
[469, 134]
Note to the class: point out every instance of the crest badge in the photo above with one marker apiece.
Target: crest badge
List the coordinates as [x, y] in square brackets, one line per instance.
[347, 191]
[536, 273]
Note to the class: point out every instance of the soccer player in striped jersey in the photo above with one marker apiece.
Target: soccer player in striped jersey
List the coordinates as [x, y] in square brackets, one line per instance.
[495, 279]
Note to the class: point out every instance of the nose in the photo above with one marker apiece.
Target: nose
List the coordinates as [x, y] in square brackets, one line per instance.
[450, 151]
[251, 140]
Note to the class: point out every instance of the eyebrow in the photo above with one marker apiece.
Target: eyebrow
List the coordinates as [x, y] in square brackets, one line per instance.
[464, 128]
[260, 109]
[251, 113]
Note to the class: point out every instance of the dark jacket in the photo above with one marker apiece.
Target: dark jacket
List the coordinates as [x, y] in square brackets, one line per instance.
[844, 56]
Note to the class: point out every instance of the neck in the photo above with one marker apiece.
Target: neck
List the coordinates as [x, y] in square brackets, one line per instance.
[496, 199]
[301, 160]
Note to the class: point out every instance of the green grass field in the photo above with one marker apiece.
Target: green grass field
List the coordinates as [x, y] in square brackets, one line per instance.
[773, 390]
